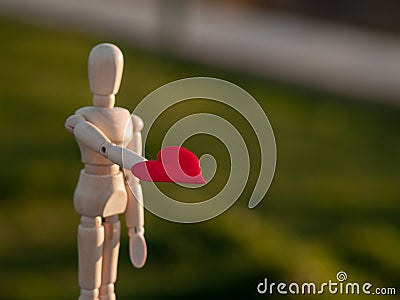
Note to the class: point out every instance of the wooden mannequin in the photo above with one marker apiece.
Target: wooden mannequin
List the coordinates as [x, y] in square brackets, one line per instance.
[102, 192]
[106, 134]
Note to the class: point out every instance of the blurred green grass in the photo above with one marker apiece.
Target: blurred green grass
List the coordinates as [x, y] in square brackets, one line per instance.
[333, 205]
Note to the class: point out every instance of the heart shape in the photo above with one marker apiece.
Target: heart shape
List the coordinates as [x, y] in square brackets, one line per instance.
[173, 164]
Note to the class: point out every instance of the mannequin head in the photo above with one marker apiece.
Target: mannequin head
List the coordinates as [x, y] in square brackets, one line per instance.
[105, 68]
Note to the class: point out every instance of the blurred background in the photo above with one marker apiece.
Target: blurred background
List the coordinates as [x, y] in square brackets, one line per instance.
[325, 72]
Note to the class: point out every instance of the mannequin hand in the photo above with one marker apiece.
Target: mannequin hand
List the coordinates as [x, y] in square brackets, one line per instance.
[137, 247]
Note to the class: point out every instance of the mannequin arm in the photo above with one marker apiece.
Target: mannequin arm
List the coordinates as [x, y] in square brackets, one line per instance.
[134, 214]
[91, 136]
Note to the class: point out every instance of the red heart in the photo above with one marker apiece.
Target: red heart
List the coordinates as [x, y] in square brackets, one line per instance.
[173, 164]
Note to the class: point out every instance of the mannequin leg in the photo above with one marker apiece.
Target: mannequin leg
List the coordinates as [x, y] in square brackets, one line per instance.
[112, 228]
[90, 248]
